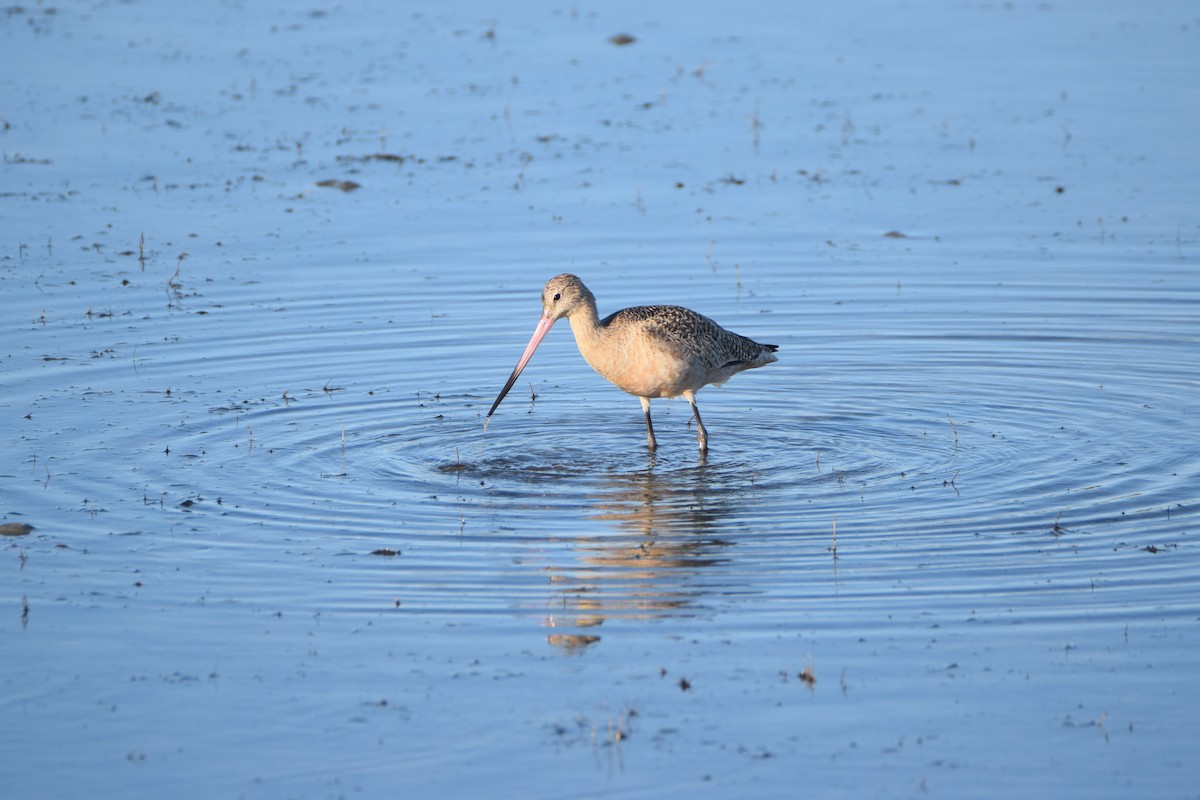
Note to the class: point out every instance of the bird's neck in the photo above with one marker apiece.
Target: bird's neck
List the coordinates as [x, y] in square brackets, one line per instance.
[585, 324]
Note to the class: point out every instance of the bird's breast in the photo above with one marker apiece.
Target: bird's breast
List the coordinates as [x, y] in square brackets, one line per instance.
[643, 365]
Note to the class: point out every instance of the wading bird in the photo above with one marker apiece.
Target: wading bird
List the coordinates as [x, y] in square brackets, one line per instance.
[649, 351]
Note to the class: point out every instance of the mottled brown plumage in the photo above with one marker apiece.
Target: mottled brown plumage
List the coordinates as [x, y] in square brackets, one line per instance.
[648, 351]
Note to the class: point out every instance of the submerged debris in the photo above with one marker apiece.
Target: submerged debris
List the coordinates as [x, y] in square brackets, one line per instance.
[345, 186]
[394, 157]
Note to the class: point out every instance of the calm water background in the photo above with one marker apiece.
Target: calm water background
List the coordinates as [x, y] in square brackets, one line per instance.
[275, 554]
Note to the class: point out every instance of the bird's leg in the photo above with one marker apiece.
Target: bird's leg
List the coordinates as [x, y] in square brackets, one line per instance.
[701, 434]
[653, 445]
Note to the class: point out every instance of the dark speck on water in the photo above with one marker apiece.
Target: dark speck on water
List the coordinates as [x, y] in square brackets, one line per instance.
[344, 185]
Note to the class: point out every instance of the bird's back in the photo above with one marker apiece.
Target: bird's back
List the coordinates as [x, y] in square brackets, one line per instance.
[702, 351]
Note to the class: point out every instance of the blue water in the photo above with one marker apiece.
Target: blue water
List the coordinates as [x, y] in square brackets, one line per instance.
[275, 553]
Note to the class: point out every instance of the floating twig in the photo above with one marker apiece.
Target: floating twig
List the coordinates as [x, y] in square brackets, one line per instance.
[808, 676]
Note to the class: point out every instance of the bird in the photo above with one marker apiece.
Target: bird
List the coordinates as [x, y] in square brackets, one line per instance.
[647, 351]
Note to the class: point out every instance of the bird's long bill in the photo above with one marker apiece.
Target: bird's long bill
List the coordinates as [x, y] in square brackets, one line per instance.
[539, 333]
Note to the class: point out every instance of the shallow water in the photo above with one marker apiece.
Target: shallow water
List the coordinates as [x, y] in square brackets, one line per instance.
[943, 546]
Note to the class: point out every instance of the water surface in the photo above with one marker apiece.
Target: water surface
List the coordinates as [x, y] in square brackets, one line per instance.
[943, 547]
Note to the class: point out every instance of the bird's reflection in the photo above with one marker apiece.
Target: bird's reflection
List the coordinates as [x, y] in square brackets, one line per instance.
[657, 532]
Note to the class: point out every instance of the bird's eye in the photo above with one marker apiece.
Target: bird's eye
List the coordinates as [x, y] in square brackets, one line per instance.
[557, 296]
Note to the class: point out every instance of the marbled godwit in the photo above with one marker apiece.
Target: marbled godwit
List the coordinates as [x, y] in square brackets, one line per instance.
[649, 351]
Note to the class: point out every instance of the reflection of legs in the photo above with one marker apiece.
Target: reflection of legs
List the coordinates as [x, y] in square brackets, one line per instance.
[701, 434]
[653, 445]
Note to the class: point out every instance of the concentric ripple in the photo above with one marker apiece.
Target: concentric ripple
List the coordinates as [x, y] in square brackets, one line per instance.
[887, 436]
[958, 456]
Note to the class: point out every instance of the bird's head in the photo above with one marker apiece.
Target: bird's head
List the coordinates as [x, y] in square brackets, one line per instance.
[563, 294]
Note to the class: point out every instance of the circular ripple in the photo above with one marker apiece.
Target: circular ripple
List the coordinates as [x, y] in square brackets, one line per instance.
[970, 459]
